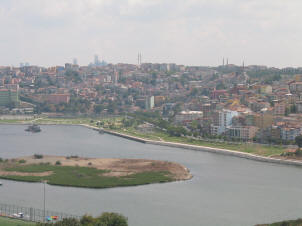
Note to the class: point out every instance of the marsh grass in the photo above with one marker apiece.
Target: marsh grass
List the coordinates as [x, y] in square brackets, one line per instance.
[85, 176]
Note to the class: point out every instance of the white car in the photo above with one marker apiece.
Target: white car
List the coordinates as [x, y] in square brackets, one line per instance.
[18, 215]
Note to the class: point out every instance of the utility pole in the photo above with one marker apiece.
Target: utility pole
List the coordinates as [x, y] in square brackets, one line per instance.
[44, 182]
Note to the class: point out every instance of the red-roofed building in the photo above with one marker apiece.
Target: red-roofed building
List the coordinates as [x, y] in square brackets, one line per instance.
[57, 98]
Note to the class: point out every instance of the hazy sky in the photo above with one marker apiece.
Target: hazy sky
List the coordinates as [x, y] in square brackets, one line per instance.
[190, 32]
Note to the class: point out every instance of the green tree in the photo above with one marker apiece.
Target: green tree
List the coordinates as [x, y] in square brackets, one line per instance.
[112, 219]
[88, 221]
[220, 86]
[98, 108]
[11, 105]
[73, 76]
[298, 140]
[194, 92]
[293, 109]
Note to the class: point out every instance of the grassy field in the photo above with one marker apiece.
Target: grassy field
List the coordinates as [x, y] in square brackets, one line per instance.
[84, 176]
[257, 149]
[14, 222]
[14, 121]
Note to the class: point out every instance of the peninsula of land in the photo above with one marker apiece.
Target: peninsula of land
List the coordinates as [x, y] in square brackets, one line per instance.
[91, 172]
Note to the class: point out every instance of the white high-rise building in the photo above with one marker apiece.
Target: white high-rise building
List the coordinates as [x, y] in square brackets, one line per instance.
[150, 102]
[224, 121]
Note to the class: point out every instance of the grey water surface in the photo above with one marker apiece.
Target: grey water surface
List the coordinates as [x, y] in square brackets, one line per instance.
[224, 190]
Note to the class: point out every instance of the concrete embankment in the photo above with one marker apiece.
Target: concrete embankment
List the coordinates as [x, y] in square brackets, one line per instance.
[208, 149]
[227, 152]
[137, 139]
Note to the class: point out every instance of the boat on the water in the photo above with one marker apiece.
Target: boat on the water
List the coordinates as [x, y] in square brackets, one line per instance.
[33, 128]
[0, 183]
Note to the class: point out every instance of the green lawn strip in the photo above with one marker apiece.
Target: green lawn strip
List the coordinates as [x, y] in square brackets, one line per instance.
[86, 176]
[132, 132]
[257, 149]
[5, 221]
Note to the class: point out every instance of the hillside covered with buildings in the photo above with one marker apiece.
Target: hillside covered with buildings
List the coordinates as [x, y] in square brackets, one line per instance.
[254, 103]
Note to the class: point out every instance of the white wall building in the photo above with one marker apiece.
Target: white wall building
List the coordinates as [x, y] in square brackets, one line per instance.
[149, 102]
[188, 116]
[224, 120]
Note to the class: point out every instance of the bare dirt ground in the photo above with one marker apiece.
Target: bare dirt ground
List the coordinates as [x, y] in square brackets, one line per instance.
[117, 167]
[295, 158]
[13, 173]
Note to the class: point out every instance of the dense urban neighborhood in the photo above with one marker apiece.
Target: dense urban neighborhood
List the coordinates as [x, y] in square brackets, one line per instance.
[247, 103]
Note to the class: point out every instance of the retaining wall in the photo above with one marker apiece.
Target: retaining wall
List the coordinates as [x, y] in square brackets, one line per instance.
[208, 149]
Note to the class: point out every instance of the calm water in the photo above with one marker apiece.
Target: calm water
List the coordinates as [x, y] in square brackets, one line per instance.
[224, 191]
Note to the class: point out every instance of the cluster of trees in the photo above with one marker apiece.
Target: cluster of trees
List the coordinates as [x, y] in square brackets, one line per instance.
[155, 119]
[129, 122]
[73, 76]
[298, 140]
[76, 105]
[106, 219]
[298, 152]
[177, 131]
[111, 107]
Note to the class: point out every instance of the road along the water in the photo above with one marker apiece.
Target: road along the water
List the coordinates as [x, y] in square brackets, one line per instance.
[225, 190]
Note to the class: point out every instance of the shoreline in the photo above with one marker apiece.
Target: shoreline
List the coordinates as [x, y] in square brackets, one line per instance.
[221, 151]
[205, 148]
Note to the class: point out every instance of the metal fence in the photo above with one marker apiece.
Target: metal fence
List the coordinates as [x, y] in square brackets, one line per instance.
[32, 214]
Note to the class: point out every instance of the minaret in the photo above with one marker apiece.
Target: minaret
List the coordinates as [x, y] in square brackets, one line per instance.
[140, 58]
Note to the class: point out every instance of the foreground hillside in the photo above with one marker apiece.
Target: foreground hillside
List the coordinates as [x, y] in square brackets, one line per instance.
[285, 223]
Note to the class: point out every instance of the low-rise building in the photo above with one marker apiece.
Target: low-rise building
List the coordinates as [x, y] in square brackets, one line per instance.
[188, 116]
[279, 109]
[290, 133]
[8, 96]
[299, 106]
[242, 132]
[57, 98]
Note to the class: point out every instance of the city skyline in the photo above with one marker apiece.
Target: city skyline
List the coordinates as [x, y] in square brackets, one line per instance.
[189, 33]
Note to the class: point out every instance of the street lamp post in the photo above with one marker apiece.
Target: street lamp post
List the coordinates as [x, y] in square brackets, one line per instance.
[44, 182]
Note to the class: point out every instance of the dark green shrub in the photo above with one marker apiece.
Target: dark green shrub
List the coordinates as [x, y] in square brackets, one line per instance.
[38, 156]
[299, 152]
[112, 219]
